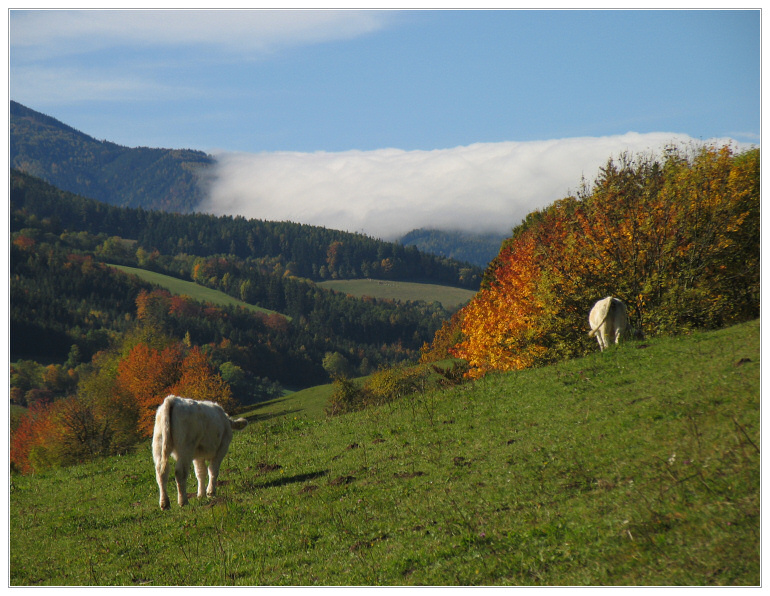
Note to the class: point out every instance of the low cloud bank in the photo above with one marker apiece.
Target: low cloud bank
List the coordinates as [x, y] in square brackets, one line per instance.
[485, 187]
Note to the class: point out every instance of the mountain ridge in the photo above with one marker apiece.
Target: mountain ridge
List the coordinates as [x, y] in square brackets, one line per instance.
[166, 179]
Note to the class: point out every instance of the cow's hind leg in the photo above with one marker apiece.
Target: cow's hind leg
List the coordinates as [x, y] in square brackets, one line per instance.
[200, 474]
[182, 470]
[161, 475]
[214, 464]
[600, 337]
[213, 475]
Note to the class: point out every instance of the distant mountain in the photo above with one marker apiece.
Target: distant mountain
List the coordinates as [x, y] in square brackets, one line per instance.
[476, 249]
[164, 179]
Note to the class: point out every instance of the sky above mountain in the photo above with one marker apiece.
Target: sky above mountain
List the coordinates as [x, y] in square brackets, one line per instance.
[377, 121]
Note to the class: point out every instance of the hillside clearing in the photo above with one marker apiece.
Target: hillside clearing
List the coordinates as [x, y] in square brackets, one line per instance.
[636, 466]
[449, 297]
[191, 289]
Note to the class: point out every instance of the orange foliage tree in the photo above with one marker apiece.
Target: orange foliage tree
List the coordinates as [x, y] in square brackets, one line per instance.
[148, 375]
[145, 374]
[30, 433]
[199, 380]
[500, 328]
[448, 335]
[44, 438]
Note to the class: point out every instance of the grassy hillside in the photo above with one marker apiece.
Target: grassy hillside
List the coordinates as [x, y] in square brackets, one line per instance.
[309, 404]
[636, 466]
[188, 288]
[449, 297]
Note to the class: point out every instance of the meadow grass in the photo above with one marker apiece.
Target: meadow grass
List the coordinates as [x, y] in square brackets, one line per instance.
[636, 466]
[449, 296]
[308, 403]
[191, 289]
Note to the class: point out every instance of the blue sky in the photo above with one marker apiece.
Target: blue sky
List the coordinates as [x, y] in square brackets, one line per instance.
[334, 91]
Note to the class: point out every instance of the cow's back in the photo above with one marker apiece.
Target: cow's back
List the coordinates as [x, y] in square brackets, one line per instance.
[200, 426]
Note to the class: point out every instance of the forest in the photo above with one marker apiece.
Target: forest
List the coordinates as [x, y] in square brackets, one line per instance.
[282, 248]
[675, 237]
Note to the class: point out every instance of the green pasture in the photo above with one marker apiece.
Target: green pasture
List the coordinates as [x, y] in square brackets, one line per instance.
[636, 466]
[449, 297]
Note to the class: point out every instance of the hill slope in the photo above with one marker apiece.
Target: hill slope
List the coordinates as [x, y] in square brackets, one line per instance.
[449, 297]
[165, 179]
[62, 296]
[636, 466]
[280, 247]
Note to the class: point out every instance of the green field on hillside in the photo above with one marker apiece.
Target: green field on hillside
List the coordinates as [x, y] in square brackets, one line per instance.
[450, 297]
[189, 288]
[636, 466]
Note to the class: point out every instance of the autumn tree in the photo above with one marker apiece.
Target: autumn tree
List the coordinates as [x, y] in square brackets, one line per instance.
[145, 374]
[448, 336]
[197, 379]
[501, 328]
[27, 437]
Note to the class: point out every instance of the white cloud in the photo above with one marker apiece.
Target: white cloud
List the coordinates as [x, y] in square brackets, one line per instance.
[60, 85]
[44, 33]
[388, 192]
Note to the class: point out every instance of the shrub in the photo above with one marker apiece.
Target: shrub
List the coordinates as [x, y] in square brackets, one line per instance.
[394, 383]
[383, 387]
[347, 396]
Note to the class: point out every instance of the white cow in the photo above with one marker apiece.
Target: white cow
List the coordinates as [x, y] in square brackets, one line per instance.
[190, 431]
[608, 320]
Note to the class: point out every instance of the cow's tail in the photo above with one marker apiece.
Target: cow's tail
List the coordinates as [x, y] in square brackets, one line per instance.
[607, 309]
[238, 424]
[162, 443]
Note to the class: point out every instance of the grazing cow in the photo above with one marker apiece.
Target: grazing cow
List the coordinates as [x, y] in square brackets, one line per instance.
[190, 431]
[608, 320]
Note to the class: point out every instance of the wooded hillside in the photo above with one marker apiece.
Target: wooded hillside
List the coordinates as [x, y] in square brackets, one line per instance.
[475, 248]
[166, 179]
[279, 248]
